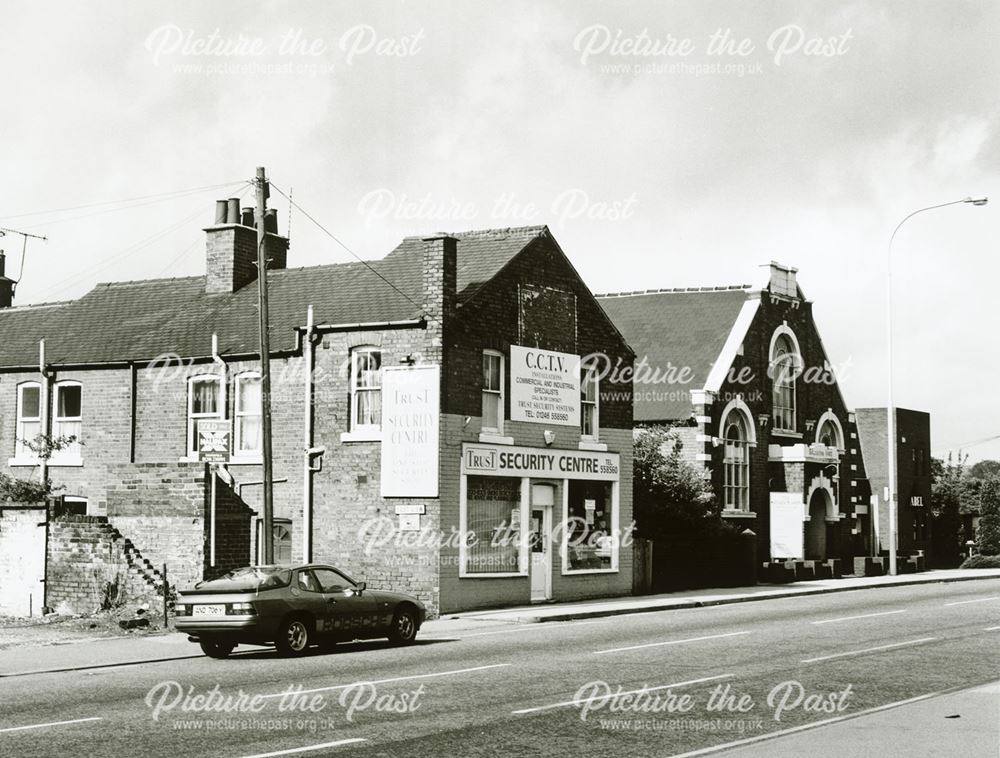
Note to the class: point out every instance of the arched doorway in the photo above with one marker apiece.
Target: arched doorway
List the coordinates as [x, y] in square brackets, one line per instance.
[816, 527]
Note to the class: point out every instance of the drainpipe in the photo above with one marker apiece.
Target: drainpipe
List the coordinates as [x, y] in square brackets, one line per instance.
[223, 369]
[133, 386]
[44, 407]
[307, 439]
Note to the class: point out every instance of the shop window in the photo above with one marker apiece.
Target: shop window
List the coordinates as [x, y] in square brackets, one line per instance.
[736, 463]
[366, 389]
[29, 418]
[589, 407]
[247, 413]
[205, 403]
[493, 525]
[67, 421]
[590, 544]
[492, 391]
[785, 367]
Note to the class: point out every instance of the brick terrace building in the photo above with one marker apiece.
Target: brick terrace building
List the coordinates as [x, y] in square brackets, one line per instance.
[742, 374]
[436, 391]
[913, 475]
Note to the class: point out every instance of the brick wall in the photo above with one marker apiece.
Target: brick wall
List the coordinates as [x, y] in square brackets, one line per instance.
[105, 401]
[85, 556]
[161, 508]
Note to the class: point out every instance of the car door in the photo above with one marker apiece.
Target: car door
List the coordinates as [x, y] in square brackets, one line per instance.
[350, 611]
[307, 596]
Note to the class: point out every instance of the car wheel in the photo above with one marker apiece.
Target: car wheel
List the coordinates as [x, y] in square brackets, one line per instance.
[294, 637]
[404, 627]
[216, 648]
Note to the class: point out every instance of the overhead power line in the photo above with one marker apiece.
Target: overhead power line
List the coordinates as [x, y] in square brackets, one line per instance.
[966, 445]
[357, 257]
[165, 195]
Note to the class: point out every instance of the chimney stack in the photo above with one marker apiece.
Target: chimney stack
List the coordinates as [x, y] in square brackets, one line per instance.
[231, 247]
[439, 291]
[781, 280]
[6, 284]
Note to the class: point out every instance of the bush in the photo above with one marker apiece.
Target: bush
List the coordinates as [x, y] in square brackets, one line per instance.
[21, 490]
[981, 562]
[988, 534]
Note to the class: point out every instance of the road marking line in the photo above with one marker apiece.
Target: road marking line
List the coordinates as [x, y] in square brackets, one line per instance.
[308, 748]
[618, 694]
[520, 628]
[50, 723]
[977, 600]
[394, 679]
[992, 629]
[869, 650]
[803, 727]
[669, 642]
[852, 618]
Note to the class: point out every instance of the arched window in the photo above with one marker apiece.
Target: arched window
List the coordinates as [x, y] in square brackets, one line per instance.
[785, 367]
[829, 435]
[736, 462]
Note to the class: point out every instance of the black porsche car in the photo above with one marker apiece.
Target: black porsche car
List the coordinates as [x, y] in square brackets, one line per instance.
[292, 608]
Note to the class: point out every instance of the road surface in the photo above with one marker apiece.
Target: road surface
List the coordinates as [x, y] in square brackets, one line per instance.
[656, 684]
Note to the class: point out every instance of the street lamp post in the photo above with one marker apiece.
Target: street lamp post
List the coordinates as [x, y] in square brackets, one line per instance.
[890, 412]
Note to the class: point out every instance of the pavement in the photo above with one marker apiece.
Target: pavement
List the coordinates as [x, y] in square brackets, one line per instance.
[76, 654]
[534, 614]
[963, 722]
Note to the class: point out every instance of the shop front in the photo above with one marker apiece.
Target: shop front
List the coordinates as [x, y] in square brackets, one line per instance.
[545, 516]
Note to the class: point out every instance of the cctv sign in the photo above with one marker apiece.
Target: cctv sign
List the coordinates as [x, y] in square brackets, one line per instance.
[544, 386]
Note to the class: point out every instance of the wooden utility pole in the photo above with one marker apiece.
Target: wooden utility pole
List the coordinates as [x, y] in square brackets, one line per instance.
[265, 367]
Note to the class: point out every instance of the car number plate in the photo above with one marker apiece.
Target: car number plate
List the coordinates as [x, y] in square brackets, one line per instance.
[209, 610]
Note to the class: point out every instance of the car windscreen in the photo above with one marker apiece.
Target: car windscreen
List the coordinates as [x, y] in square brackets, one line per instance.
[249, 578]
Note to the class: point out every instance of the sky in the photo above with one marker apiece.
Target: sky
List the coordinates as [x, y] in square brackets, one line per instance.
[665, 144]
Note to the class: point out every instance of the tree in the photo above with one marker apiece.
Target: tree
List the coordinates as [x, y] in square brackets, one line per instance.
[670, 495]
[951, 496]
[988, 536]
[982, 470]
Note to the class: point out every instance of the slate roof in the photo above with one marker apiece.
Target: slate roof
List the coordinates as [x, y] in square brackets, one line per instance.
[137, 321]
[674, 328]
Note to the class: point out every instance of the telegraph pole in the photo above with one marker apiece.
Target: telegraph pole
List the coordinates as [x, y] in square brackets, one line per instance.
[265, 367]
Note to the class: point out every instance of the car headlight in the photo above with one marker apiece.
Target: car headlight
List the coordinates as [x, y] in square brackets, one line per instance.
[182, 609]
[240, 609]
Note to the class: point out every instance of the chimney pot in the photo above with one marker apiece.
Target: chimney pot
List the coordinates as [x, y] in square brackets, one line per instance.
[221, 211]
[271, 221]
[248, 217]
[233, 214]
